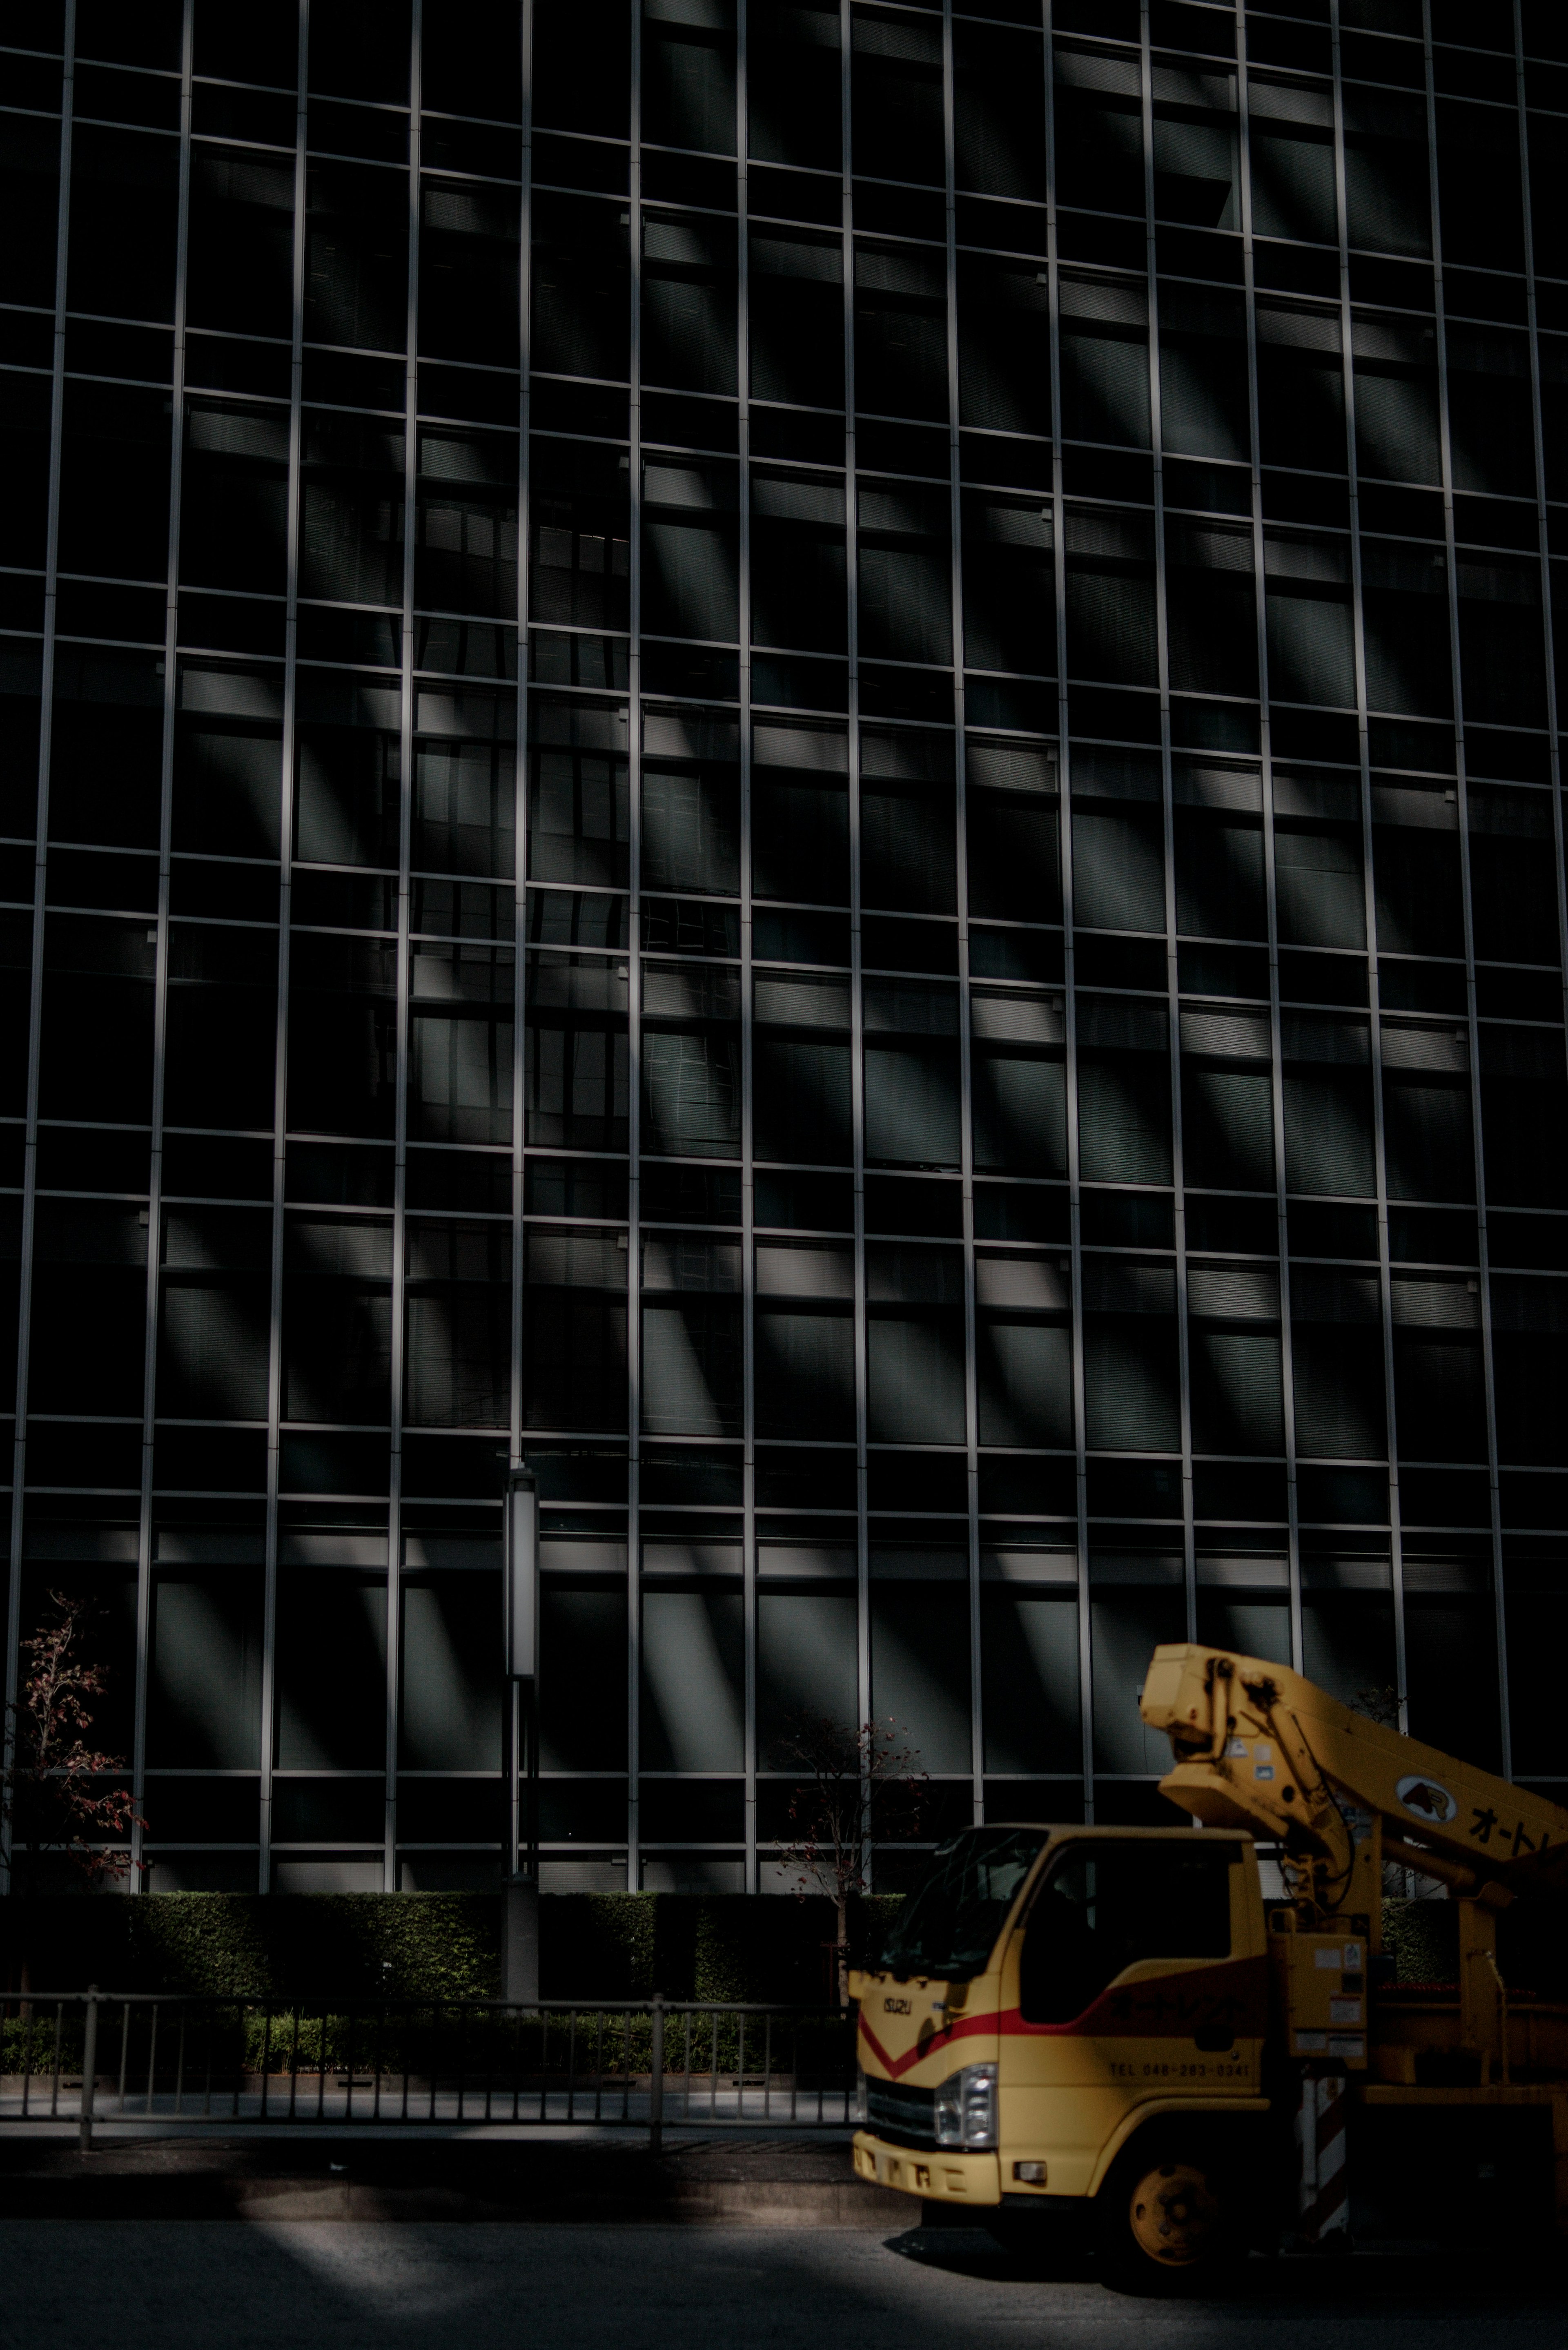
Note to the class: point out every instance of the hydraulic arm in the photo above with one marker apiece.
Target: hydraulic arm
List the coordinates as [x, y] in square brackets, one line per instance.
[1135, 2019]
[1256, 1746]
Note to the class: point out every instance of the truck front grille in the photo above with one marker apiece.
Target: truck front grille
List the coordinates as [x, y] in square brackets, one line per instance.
[901, 2116]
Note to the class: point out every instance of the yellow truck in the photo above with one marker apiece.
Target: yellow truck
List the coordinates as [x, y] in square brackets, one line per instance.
[1118, 2022]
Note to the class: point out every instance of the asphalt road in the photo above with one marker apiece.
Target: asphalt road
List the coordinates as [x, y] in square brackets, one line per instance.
[186, 2284]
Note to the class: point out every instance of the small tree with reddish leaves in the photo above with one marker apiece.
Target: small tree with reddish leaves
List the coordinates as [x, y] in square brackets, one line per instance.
[53, 1797]
[847, 1782]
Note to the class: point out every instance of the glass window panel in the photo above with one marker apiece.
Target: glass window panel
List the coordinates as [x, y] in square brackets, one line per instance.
[693, 1370]
[1227, 1125]
[241, 262]
[213, 1347]
[1130, 1368]
[690, 829]
[96, 1056]
[221, 1034]
[689, 86]
[342, 1057]
[582, 1684]
[1347, 1642]
[469, 273]
[204, 1686]
[805, 1372]
[1320, 886]
[1387, 174]
[124, 215]
[357, 256]
[114, 482]
[1293, 183]
[1024, 1373]
[459, 1344]
[575, 1330]
[1338, 1366]
[805, 1664]
[797, 320]
[919, 1668]
[897, 83]
[915, 1377]
[451, 1699]
[106, 749]
[792, 86]
[693, 1654]
[1125, 1627]
[1029, 1663]
[337, 1319]
[331, 1670]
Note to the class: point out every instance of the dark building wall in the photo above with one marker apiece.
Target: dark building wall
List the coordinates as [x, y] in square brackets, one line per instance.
[808, 762]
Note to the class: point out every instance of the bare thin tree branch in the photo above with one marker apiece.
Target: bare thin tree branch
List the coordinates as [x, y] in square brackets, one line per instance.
[52, 1796]
[850, 1784]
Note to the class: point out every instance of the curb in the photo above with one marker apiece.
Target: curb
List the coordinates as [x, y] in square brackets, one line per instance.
[761, 2203]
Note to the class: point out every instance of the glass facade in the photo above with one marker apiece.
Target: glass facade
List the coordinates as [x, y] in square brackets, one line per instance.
[802, 758]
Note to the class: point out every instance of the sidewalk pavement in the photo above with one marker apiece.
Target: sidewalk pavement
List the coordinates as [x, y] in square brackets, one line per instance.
[751, 2180]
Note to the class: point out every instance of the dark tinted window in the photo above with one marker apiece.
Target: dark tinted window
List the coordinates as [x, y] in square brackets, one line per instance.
[948, 1926]
[1103, 1907]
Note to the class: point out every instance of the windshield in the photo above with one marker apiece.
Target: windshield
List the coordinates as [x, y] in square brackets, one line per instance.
[948, 1927]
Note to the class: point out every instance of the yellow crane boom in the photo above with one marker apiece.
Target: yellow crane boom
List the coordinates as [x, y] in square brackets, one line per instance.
[1256, 1746]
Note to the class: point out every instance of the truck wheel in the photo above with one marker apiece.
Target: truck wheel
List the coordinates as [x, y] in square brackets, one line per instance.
[1169, 2219]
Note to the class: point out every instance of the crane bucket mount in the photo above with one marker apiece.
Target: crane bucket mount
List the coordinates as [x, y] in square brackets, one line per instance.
[1256, 1746]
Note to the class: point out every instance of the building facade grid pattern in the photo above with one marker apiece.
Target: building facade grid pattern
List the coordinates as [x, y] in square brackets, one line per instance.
[529, 943]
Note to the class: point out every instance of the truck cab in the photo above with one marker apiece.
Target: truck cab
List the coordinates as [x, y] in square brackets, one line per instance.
[1051, 1995]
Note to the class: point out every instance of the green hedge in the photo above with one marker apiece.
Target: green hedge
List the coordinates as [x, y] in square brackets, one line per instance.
[359, 1946]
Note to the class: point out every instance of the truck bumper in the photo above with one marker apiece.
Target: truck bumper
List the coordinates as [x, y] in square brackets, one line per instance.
[933, 2173]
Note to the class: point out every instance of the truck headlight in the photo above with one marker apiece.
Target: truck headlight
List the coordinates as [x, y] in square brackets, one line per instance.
[966, 2110]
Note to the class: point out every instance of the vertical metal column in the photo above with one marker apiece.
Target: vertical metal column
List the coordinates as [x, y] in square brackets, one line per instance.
[285, 852]
[634, 997]
[1369, 905]
[748, 1048]
[1069, 998]
[520, 834]
[961, 851]
[1266, 770]
[1162, 629]
[405, 976]
[1470, 936]
[1445, 442]
[1554, 722]
[160, 983]
[35, 995]
[856, 1007]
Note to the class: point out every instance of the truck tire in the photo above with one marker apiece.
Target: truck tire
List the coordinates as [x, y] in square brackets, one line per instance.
[1169, 2217]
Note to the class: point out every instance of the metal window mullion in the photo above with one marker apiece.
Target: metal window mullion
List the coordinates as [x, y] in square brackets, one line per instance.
[960, 853]
[399, 1339]
[161, 978]
[1500, 1595]
[285, 891]
[36, 981]
[634, 989]
[1542, 520]
[748, 1050]
[1069, 999]
[520, 870]
[1265, 738]
[1368, 894]
[856, 1007]
[1172, 1017]
[1445, 445]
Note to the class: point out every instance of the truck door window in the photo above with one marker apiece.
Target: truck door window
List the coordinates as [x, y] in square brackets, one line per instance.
[1103, 1907]
[948, 1927]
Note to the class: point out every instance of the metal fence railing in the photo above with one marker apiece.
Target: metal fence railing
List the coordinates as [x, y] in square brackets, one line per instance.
[138, 2057]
